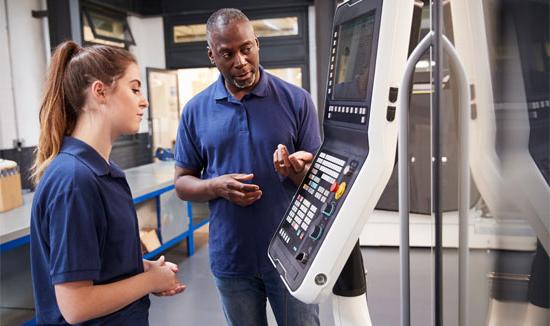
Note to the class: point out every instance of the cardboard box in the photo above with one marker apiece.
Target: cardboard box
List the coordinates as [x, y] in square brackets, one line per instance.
[149, 239]
[10, 186]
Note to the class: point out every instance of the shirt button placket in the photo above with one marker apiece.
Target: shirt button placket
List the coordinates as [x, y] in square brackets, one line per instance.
[244, 118]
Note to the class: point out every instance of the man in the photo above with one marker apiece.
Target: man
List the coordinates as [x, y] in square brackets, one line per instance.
[233, 150]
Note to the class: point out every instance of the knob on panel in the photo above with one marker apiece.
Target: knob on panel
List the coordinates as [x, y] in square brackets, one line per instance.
[316, 232]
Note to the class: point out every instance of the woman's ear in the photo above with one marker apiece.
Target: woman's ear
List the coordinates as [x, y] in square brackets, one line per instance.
[98, 90]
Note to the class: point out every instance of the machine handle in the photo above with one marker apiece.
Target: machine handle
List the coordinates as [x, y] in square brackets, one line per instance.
[403, 176]
[463, 179]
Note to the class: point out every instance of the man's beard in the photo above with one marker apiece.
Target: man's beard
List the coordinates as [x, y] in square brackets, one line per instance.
[245, 84]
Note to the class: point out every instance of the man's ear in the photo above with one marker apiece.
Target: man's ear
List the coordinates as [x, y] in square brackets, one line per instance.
[211, 55]
[98, 90]
[258, 43]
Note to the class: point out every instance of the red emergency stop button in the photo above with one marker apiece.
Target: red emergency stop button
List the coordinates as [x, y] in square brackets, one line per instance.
[334, 187]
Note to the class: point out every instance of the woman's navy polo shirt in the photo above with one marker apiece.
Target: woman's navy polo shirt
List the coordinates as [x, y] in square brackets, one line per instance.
[219, 134]
[84, 227]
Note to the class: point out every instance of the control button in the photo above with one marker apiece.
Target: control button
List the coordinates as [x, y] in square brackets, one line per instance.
[334, 187]
[340, 191]
[390, 113]
[328, 209]
[392, 97]
[316, 232]
[348, 170]
[354, 164]
[302, 257]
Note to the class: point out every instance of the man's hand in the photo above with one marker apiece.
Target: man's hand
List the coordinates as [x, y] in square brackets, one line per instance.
[293, 165]
[233, 188]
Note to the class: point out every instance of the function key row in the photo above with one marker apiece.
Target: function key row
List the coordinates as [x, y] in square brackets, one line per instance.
[331, 158]
[347, 109]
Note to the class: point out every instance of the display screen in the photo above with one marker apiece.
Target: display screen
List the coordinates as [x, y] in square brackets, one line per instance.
[353, 58]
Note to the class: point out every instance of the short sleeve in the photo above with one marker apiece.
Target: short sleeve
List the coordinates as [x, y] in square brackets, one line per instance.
[186, 153]
[77, 228]
[309, 138]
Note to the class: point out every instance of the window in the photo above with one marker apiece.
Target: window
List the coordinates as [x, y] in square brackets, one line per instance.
[106, 28]
[270, 27]
[291, 75]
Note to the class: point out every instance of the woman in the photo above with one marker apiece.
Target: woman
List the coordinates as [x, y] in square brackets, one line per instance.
[86, 259]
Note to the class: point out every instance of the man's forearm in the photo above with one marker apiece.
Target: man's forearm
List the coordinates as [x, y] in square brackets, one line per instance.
[191, 188]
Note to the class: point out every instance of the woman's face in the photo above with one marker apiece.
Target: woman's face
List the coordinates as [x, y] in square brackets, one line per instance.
[126, 102]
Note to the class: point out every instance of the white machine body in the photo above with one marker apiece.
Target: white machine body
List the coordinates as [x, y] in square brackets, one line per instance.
[357, 154]
[510, 181]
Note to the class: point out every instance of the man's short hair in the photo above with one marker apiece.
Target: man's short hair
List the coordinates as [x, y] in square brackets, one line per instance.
[222, 17]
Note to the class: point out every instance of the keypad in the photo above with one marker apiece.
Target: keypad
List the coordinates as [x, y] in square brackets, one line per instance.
[324, 172]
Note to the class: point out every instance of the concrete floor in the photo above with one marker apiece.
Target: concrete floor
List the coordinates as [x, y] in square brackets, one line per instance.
[199, 304]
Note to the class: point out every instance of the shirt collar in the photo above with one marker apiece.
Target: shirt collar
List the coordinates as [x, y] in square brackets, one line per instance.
[259, 90]
[90, 157]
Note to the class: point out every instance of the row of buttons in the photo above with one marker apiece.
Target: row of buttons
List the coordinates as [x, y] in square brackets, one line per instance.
[283, 235]
[347, 109]
[539, 105]
[331, 158]
[330, 167]
[313, 187]
[332, 58]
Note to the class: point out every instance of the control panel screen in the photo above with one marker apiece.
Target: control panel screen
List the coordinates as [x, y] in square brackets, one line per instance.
[353, 58]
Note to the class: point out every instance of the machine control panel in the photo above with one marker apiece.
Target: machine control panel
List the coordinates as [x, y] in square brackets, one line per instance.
[315, 205]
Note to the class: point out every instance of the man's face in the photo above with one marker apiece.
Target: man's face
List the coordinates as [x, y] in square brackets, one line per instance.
[234, 49]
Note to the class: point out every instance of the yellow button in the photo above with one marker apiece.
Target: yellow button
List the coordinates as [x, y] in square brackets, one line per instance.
[340, 191]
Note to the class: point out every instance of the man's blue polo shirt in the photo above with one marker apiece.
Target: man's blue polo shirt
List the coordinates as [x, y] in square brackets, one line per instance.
[84, 227]
[219, 134]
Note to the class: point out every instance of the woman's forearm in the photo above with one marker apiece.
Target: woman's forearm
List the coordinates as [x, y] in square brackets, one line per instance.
[81, 301]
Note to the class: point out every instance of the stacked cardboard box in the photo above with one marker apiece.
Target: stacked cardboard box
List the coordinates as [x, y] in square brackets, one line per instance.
[10, 186]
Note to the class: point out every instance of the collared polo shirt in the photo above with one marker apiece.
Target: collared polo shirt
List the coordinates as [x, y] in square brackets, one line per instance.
[219, 134]
[84, 227]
